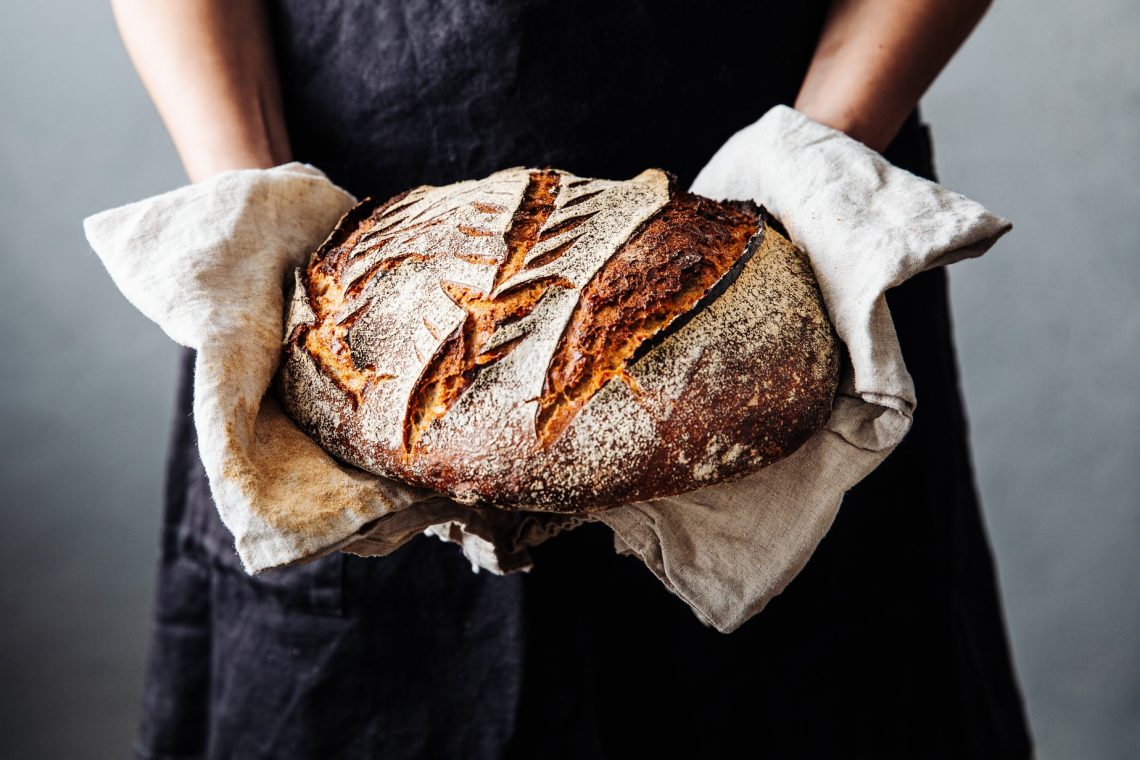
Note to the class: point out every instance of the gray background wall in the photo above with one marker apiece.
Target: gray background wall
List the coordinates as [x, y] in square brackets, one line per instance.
[1038, 117]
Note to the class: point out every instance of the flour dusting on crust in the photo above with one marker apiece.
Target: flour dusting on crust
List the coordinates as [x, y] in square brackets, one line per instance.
[430, 306]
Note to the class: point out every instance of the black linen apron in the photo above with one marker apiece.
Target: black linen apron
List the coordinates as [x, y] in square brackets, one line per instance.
[889, 643]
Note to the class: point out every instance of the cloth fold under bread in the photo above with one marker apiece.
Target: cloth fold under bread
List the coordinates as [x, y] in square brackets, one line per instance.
[208, 264]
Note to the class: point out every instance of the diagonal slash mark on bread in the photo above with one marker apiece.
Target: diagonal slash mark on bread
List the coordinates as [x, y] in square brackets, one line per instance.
[737, 373]
[460, 357]
[676, 257]
[657, 278]
[666, 268]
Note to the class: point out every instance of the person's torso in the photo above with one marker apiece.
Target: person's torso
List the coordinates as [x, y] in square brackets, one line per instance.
[890, 634]
[386, 95]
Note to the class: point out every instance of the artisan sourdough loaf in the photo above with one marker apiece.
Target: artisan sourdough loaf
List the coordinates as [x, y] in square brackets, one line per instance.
[537, 340]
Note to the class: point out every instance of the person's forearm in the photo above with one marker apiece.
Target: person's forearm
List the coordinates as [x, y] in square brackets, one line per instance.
[208, 65]
[876, 58]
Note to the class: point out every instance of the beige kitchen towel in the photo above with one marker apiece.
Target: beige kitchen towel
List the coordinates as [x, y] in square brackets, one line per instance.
[867, 226]
[209, 264]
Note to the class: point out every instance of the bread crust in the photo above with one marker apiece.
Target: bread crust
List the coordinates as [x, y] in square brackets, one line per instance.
[537, 340]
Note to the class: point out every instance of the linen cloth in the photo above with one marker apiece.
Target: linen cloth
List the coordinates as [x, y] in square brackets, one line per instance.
[208, 263]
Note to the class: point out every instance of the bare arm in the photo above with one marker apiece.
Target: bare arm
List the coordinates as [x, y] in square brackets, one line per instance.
[208, 65]
[876, 58]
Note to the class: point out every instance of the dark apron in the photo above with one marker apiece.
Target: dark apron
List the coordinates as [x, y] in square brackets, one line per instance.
[889, 643]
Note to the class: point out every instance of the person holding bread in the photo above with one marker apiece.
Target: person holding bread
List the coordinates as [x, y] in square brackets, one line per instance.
[889, 643]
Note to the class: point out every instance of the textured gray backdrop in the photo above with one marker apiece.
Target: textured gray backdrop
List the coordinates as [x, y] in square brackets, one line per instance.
[1038, 117]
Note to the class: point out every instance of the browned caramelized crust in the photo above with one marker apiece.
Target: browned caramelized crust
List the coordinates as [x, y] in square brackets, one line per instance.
[658, 275]
[454, 367]
[326, 291]
[465, 338]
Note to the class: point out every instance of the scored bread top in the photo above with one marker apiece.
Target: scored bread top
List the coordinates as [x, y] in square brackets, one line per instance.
[539, 340]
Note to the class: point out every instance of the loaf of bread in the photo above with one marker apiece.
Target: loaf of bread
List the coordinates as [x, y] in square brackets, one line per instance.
[537, 340]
